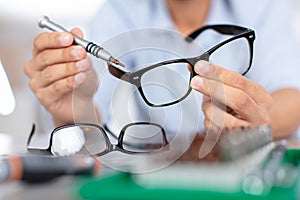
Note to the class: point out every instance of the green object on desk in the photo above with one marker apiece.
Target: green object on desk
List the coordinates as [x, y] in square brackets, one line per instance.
[124, 186]
[292, 156]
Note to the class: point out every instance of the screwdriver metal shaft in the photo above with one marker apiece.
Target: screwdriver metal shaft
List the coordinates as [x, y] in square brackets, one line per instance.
[90, 47]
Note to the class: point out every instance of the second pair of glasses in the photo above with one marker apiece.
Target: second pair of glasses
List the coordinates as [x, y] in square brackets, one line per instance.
[92, 139]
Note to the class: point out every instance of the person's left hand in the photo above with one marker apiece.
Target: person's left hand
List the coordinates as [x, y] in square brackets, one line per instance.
[229, 99]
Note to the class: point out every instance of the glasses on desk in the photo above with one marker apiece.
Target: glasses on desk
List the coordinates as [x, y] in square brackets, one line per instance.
[92, 139]
[234, 53]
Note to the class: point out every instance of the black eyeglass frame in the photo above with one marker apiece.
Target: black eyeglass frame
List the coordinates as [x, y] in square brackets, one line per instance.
[134, 77]
[109, 146]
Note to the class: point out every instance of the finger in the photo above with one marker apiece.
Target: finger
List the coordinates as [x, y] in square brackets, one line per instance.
[60, 71]
[59, 89]
[235, 98]
[48, 95]
[57, 56]
[217, 117]
[205, 99]
[51, 40]
[189, 67]
[233, 79]
[77, 32]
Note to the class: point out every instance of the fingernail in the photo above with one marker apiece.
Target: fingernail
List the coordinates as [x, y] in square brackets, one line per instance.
[81, 65]
[65, 39]
[203, 67]
[77, 52]
[196, 82]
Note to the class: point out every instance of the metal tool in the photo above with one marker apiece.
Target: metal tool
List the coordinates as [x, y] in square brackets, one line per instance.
[260, 180]
[239, 142]
[35, 169]
[90, 47]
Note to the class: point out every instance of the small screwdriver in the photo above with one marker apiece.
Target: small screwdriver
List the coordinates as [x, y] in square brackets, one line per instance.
[36, 169]
[90, 47]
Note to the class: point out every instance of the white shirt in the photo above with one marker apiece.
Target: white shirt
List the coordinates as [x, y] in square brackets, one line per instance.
[275, 65]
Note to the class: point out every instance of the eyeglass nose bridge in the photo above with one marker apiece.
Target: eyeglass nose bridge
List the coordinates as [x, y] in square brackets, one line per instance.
[114, 147]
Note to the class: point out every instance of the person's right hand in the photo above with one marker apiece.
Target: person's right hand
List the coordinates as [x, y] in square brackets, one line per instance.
[60, 72]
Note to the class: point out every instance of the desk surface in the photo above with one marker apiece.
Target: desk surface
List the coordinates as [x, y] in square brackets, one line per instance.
[58, 189]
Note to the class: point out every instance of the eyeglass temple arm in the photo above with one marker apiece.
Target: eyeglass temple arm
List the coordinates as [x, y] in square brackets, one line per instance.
[109, 131]
[39, 151]
[35, 150]
[118, 73]
[164, 136]
[220, 28]
[31, 134]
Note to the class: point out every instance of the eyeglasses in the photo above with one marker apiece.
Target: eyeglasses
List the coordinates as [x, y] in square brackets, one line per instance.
[168, 82]
[91, 139]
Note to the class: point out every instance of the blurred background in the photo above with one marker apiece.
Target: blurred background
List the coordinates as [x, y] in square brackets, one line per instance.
[18, 22]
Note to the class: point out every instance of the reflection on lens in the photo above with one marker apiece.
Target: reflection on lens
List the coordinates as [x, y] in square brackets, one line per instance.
[143, 138]
[234, 56]
[67, 141]
[87, 140]
[95, 141]
[166, 83]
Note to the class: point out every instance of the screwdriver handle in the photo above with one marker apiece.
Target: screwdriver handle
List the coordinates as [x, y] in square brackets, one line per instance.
[34, 169]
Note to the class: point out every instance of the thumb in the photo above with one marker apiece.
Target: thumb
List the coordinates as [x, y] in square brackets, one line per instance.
[77, 32]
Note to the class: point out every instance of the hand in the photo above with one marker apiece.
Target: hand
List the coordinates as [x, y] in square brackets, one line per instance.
[60, 72]
[229, 99]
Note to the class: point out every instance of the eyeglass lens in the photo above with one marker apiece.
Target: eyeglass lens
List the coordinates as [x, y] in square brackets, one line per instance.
[143, 138]
[83, 139]
[166, 83]
[234, 56]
